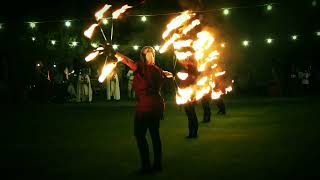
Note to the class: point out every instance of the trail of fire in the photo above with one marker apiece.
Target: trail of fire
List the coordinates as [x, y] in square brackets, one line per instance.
[117, 13]
[100, 13]
[201, 50]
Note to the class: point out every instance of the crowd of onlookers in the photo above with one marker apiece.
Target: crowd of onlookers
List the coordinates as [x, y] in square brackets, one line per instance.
[60, 83]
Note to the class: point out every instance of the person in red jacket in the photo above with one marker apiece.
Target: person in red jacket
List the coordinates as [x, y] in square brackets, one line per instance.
[147, 82]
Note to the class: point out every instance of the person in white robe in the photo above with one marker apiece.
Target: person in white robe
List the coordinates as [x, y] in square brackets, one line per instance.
[112, 87]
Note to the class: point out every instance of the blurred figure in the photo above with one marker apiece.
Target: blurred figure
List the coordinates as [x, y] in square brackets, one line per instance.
[131, 94]
[112, 86]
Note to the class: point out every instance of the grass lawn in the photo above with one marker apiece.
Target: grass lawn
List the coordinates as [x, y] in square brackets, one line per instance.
[259, 138]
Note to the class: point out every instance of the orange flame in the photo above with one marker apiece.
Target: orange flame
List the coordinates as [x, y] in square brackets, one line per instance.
[182, 75]
[191, 26]
[181, 44]
[202, 92]
[219, 73]
[99, 14]
[91, 56]
[117, 13]
[201, 49]
[107, 69]
[184, 95]
[177, 22]
[169, 42]
[183, 55]
[89, 32]
[216, 95]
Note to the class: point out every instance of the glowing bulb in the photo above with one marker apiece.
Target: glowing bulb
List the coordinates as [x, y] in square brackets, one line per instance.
[53, 42]
[223, 45]
[269, 40]
[135, 47]
[67, 23]
[143, 18]
[157, 47]
[318, 33]
[105, 21]
[269, 7]
[226, 12]
[245, 43]
[1, 26]
[115, 46]
[54, 65]
[314, 3]
[32, 25]
[33, 38]
[294, 37]
[74, 44]
[38, 65]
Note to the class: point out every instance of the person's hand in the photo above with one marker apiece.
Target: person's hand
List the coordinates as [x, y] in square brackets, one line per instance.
[168, 74]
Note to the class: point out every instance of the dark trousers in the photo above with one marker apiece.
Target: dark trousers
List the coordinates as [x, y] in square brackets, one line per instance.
[221, 106]
[192, 119]
[142, 123]
[206, 109]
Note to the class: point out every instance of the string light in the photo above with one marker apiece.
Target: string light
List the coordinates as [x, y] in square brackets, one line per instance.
[157, 47]
[115, 46]
[33, 38]
[245, 43]
[226, 12]
[223, 45]
[269, 40]
[1, 25]
[318, 33]
[32, 25]
[105, 21]
[135, 47]
[294, 37]
[314, 3]
[269, 7]
[74, 44]
[53, 42]
[143, 18]
[67, 23]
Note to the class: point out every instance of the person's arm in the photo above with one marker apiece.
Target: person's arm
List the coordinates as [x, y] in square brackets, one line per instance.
[127, 61]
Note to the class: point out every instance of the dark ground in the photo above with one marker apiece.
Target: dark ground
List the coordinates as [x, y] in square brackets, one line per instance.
[259, 138]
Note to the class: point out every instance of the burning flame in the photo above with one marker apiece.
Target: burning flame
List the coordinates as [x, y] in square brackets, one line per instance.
[91, 56]
[88, 33]
[169, 42]
[182, 75]
[99, 14]
[219, 73]
[184, 95]
[202, 92]
[228, 89]
[191, 26]
[182, 44]
[117, 13]
[183, 55]
[107, 69]
[200, 49]
[177, 22]
[216, 95]
[202, 81]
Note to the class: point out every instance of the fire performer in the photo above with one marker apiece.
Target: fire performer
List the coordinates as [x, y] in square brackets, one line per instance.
[147, 82]
[190, 68]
